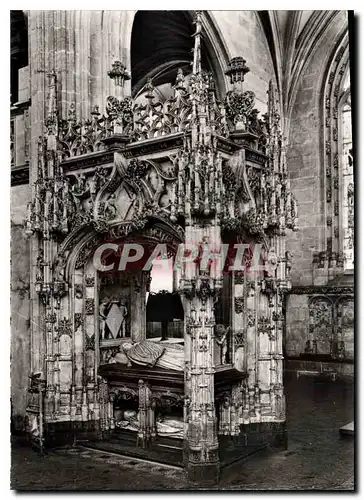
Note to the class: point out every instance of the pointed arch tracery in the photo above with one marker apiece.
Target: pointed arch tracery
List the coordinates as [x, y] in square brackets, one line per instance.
[338, 161]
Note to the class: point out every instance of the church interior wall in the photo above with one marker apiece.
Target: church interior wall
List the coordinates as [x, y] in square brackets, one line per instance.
[19, 303]
[304, 157]
[306, 150]
[244, 34]
[297, 319]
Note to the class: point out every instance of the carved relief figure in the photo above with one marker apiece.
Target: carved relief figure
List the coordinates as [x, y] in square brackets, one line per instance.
[59, 267]
[124, 313]
[103, 310]
[271, 262]
[110, 209]
[221, 339]
[288, 263]
[150, 354]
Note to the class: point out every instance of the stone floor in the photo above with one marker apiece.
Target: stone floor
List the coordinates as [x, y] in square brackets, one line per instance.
[317, 458]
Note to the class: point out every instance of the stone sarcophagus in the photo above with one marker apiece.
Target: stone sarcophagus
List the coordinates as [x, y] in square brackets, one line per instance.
[191, 178]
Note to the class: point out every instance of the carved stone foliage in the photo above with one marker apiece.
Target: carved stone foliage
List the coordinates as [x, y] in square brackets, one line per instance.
[135, 171]
[89, 306]
[77, 138]
[239, 304]
[62, 204]
[51, 318]
[239, 338]
[86, 250]
[90, 342]
[239, 106]
[64, 328]
[167, 400]
[78, 320]
[229, 180]
[265, 326]
[123, 393]
[89, 281]
[120, 113]
[239, 278]
[250, 317]
[78, 291]
[139, 121]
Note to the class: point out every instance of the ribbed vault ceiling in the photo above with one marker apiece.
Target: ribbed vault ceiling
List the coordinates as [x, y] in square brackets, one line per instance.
[161, 42]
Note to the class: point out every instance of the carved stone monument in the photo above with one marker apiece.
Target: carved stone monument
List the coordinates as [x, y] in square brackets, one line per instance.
[191, 170]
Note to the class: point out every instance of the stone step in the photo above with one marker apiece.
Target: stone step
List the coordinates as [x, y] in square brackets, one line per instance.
[348, 429]
[315, 373]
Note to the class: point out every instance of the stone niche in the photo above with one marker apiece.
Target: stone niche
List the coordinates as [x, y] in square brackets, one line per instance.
[320, 331]
[114, 304]
[121, 309]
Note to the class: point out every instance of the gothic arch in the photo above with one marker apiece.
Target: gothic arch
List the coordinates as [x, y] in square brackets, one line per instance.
[121, 230]
[271, 31]
[332, 96]
[177, 27]
[323, 23]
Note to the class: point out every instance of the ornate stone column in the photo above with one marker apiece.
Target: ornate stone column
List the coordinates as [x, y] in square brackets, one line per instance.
[200, 290]
[138, 284]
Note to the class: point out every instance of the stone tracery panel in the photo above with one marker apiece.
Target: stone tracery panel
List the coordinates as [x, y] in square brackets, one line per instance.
[321, 327]
[329, 335]
[338, 169]
[345, 327]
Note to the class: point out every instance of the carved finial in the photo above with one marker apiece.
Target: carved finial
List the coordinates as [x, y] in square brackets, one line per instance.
[149, 89]
[95, 110]
[273, 100]
[51, 120]
[197, 48]
[51, 77]
[118, 73]
[210, 82]
[237, 70]
[72, 113]
[180, 80]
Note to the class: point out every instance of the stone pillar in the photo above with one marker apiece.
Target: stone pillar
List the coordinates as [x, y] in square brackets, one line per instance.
[238, 340]
[91, 313]
[200, 290]
[144, 431]
[137, 309]
[36, 25]
[203, 456]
